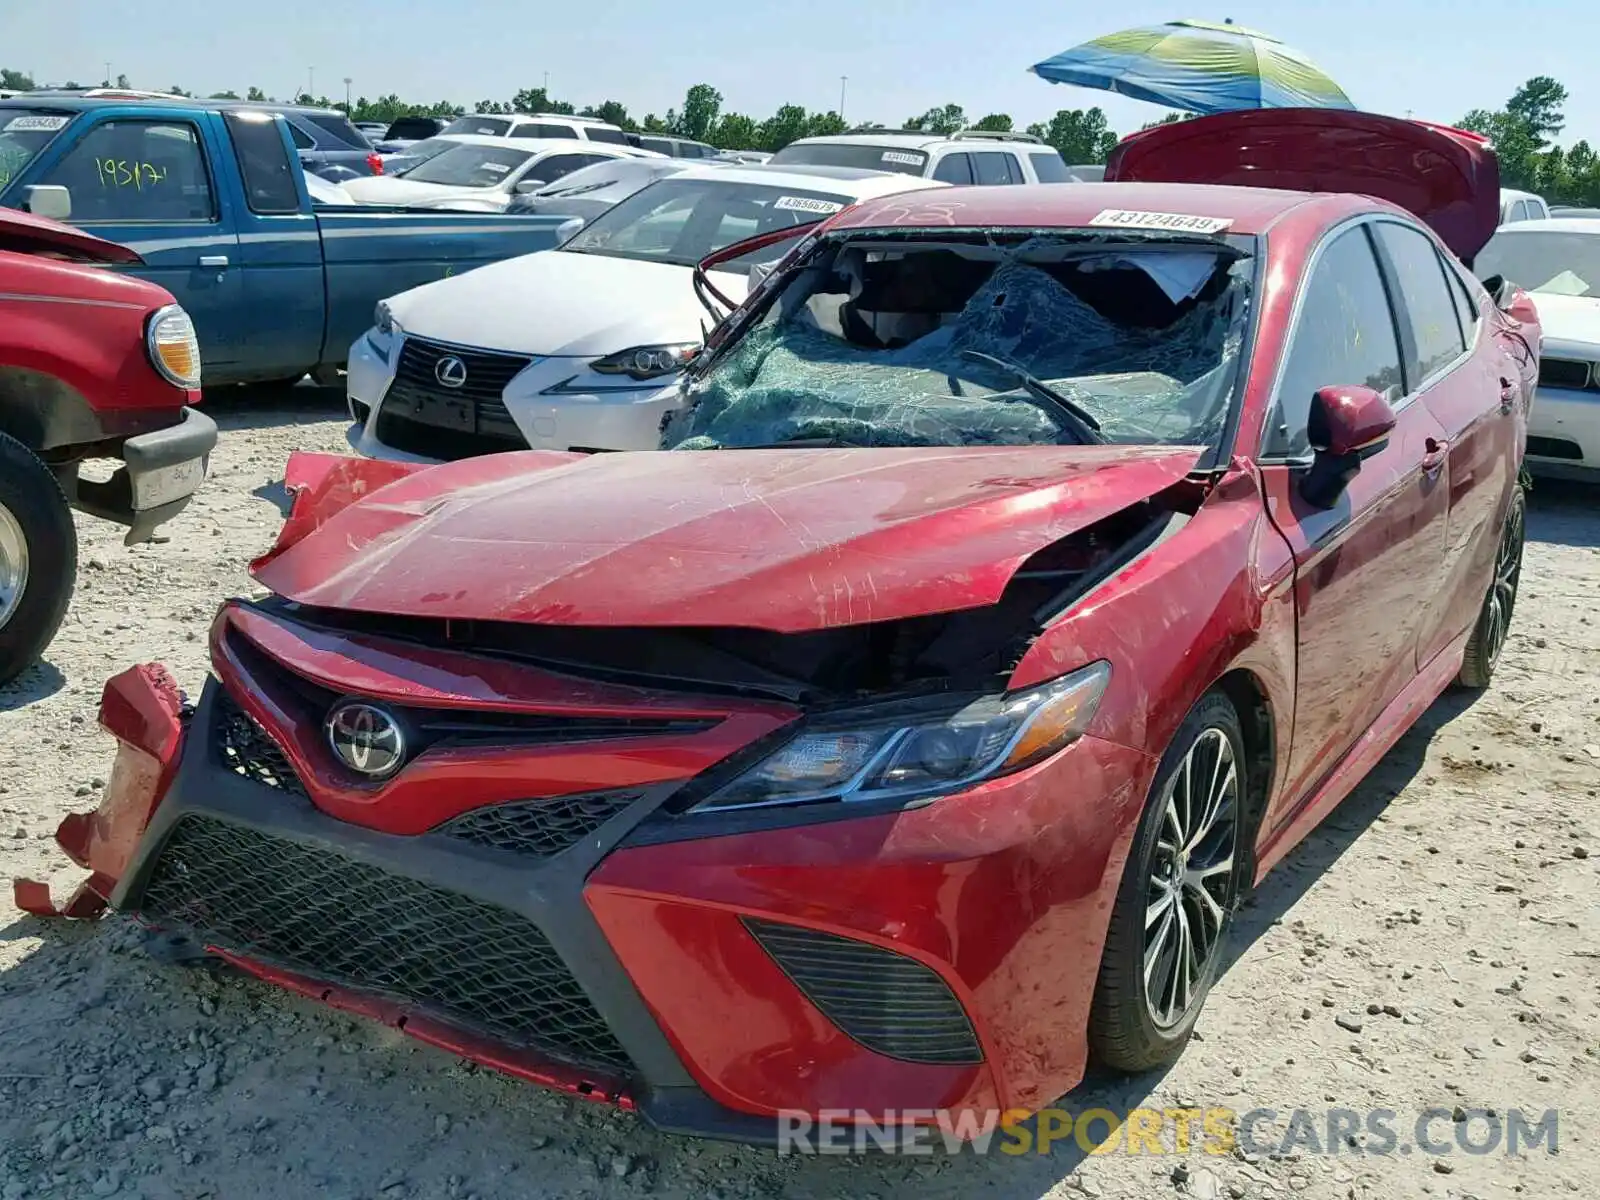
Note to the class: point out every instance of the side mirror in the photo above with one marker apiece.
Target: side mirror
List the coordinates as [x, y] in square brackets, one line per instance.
[525, 186]
[48, 200]
[1347, 426]
[568, 229]
[1519, 306]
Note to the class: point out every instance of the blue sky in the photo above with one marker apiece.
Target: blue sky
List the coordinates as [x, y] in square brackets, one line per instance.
[1433, 58]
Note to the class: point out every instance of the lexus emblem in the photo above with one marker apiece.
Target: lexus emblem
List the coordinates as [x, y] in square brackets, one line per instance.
[450, 371]
[366, 739]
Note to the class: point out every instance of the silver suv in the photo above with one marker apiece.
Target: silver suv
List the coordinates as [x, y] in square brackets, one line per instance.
[971, 156]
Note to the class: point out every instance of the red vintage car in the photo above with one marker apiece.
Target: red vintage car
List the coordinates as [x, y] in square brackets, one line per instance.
[1028, 571]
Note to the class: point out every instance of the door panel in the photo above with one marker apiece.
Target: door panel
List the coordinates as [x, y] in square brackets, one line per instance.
[149, 184]
[1364, 567]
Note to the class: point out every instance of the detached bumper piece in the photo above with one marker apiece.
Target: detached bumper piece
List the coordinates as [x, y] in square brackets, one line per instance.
[319, 913]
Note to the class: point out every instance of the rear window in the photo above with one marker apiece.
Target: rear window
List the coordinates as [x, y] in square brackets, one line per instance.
[23, 133]
[659, 145]
[1050, 169]
[545, 131]
[470, 166]
[412, 129]
[614, 137]
[342, 131]
[845, 154]
[489, 126]
[263, 161]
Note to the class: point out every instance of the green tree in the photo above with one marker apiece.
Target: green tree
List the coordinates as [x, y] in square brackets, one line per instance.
[537, 100]
[257, 95]
[788, 124]
[734, 131]
[995, 123]
[825, 124]
[654, 124]
[15, 81]
[612, 112]
[491, 106]
[701, 105]
[1080, 135]
[951, 118]
[223, 96]
[1171, 118]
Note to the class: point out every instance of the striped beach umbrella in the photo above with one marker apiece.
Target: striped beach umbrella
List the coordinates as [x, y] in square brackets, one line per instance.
[1197, 66]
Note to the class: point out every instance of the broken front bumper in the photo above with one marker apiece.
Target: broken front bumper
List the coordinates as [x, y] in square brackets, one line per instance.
[160, 474]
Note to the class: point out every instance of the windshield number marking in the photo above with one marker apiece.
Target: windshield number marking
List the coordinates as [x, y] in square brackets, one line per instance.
[806, 204]
[900, 156]
[36, 124]
[1118, 218]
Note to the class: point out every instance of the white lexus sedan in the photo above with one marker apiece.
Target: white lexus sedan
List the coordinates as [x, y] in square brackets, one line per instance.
[1558, 263]
[580, 347]
[483, 174]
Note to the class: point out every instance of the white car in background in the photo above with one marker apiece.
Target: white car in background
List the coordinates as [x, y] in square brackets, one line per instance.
[482, 174]
[581, 347]
[1558, 263]
[590, 191]
[1518, 206]
[538, 125]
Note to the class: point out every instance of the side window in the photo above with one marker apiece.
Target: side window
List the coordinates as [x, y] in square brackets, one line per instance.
[1425, 297]
[1466, 302]
[1344, 335]
[550, 131]
[1521, 212]
[1049, 167]
[302, 140]
[137, 171]
[954, 168]
[992, 168]
[556, 165]
[263, 161]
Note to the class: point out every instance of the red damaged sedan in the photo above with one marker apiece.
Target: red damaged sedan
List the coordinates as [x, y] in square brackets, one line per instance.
[1027, 571]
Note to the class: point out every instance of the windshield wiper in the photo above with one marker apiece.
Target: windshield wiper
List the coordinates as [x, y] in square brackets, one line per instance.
[1079, 418]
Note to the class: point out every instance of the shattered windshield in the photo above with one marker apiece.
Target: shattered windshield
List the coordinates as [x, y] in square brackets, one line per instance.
[1059, 339]
[1563, 264]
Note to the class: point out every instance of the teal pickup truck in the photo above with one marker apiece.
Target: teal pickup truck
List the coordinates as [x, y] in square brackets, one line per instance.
[212, 197]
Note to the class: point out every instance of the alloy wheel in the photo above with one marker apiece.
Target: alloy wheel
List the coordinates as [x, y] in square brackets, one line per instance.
[13, 564]
[1191, 886]
[1503, 591]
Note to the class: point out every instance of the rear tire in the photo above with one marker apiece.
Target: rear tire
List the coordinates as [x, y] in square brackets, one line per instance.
[1178, 893]
[1489, 633]
[38, 557]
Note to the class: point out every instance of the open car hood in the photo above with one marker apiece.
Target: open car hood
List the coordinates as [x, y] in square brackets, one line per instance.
[785, 540]
[1447, 177]
[25, 233]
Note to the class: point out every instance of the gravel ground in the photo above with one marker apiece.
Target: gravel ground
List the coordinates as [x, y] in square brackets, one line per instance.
[1435, 944]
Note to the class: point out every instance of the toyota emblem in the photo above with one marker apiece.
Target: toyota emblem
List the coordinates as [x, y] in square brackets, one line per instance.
[450, 371]
[366, 739]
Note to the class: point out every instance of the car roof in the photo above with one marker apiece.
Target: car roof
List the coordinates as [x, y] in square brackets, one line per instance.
[76, 103]
[861, 185]
[1580, 225]
[1063, 206]
[916, 141]
[535, 145]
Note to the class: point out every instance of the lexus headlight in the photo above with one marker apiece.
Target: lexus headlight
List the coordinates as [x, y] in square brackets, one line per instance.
[648, 362]
[864, 757]
[172, 346]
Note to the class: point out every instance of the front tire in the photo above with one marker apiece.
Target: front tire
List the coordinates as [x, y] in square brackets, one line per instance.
[1488, 638]
[1175, 905]
[38, 557]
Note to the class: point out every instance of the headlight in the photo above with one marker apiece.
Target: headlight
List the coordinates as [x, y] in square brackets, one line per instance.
[172, 346]
[383, 320]
[864, 757]
[648, 362]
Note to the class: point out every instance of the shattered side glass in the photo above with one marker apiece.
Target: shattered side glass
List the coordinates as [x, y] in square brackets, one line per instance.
[818, 367]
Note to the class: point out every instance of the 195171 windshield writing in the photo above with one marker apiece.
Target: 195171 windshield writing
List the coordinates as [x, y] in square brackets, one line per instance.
[121, 173]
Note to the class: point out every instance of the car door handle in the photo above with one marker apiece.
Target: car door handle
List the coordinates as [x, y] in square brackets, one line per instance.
[1437, 451]
[213, 260]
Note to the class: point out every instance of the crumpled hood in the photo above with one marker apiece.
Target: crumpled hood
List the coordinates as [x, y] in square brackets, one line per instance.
[556, 302]
[786, 540]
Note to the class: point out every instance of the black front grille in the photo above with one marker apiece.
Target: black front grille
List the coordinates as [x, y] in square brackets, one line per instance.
[316, 911]
[888, 1002]
[246, 749]
[422, 416]
[540, 828]
[1563, 373]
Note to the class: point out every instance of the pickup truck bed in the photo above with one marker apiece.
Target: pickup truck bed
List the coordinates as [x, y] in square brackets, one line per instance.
[214, 200]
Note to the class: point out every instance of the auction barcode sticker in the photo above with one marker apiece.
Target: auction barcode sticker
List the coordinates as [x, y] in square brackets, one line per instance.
[37, 124]
[805, 204]
[1118, 218]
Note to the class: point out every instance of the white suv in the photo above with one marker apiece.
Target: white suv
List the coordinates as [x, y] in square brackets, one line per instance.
[538, 125]
[972, 156]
